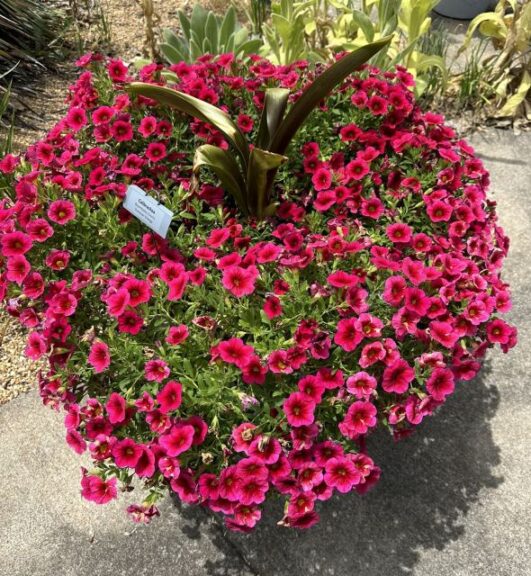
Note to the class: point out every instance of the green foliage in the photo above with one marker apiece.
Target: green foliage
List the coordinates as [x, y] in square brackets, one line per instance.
[284, 40]
[435, 43]
[257, 14]
[469, 87]
[316, 29]
[206, 33]
[414, 23]
[509, 29]
[251, 181]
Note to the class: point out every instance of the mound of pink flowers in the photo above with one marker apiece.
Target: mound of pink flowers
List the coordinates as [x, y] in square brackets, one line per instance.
[236, 359]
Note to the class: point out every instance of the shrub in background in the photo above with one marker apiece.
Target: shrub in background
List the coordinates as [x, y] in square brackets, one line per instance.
[27, 29]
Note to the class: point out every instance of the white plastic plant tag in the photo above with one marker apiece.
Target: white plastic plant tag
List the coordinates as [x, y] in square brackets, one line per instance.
[148, 210]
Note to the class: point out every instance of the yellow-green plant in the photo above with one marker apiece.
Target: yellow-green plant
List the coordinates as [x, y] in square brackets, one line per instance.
[414, 22]
[316, 29]
[352, 27]
[283, 34]
[408, 21]
[249, 174]
[509, 28]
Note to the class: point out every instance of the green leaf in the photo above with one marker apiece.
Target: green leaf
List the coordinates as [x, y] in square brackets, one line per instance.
[263, 166]
[283, 27]
[196, 108]
[229, 47]
[138, 63]
[196, 46]
[365, 23]
[319, 89]
[249, 47]
[207, 47]
[198, 23]
[185, 24]
[276, 100]
[223, 164]
[228, 26]
[170, 37]
[388, 15]
[495, 20]
[169, 76]
[426, 61]
[493, 29]
[403, 55]
[240, 36]
[172, 54]
[212, 33]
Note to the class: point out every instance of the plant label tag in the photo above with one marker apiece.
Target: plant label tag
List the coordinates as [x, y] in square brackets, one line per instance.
[148, 210]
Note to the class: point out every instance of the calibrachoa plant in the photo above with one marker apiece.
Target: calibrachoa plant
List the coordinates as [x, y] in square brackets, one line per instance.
[239, 358]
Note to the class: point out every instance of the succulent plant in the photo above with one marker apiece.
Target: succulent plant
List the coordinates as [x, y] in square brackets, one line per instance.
[206, 33]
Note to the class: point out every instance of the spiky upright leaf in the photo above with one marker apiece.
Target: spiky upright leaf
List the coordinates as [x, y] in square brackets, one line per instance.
[319, 89]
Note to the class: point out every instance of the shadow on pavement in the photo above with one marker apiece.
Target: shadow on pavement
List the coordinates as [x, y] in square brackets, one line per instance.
[428, 485]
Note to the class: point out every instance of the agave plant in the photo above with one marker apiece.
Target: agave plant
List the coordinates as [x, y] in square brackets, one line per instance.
[250, 178]
[206, 33]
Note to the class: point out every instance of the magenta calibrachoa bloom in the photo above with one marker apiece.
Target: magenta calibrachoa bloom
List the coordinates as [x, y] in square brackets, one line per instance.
[237, 359]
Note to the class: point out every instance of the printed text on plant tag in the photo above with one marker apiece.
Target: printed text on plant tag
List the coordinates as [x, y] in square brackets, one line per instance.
[148, 210]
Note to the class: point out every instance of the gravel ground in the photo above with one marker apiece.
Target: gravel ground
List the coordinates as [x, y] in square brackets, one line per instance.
[17, 373]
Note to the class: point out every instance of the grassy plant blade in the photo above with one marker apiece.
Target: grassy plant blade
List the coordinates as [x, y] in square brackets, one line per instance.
[223, 164]
[319, 89]
[196, 108]
[426, 61]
